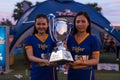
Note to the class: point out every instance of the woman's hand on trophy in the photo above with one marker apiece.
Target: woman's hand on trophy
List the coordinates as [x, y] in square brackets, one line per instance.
[77, 62]
[44, 62]
[65, 44]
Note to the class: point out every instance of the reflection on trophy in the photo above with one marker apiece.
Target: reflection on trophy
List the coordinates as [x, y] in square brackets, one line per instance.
[59, 32]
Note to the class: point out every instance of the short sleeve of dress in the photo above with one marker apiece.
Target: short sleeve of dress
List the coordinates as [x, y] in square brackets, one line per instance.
[95, 44]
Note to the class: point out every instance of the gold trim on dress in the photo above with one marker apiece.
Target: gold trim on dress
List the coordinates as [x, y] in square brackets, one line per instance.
[96, 52]
[28, 47]
[42, 39]
[80, 41]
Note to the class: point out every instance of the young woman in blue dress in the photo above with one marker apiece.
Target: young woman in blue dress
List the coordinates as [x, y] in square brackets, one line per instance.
[84, 48]
[38, 47]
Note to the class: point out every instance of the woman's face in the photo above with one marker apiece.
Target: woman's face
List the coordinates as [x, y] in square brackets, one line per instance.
[41, 25]
[81, 23]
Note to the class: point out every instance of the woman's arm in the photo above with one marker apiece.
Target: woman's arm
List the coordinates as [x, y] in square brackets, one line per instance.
[93, 61]
[31, 57]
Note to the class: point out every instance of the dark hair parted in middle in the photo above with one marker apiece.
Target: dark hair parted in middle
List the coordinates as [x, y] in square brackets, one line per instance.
[85, 14]
[40, 16]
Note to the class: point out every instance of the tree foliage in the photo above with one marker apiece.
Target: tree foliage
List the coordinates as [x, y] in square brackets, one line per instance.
[18, 11]
[95, 6]
[6, 22]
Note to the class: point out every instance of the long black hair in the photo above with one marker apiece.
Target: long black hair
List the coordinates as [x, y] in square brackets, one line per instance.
[88, 19]
[40, 16]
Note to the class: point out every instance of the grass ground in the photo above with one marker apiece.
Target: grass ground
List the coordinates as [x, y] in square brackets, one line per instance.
[20, 68]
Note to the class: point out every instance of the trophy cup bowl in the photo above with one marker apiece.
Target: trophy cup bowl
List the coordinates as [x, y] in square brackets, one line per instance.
[59, 32]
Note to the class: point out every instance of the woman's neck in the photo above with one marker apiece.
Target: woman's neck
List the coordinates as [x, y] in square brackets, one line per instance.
[42, 34]
[81, 34]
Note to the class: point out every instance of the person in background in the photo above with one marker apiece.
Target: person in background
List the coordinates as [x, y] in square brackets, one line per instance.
[117, 50]
[112, 45]
[38, 46]
[106, 45]
[85, 49]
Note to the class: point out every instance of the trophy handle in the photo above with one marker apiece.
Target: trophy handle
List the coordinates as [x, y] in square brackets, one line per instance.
[70, 25]
[51, 18]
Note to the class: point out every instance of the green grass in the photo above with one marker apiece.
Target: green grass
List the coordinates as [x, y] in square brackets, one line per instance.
[107, 75]
[19, 68]
[109, 58]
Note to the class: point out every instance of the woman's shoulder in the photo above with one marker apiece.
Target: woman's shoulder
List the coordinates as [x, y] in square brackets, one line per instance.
[92, 36]
[70, 36]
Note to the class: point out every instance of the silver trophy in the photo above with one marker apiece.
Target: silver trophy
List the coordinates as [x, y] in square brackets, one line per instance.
[59, 32]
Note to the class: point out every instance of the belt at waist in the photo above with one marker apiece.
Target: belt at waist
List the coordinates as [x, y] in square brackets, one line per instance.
[81, 67]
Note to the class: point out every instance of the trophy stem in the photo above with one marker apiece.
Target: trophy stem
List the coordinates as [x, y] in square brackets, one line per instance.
[60, 46]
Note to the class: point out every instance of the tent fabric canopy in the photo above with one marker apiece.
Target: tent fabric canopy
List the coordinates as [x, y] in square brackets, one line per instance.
[54, 6]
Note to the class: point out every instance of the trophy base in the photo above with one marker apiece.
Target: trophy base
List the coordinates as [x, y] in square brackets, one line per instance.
[61, 57]
[62, 62]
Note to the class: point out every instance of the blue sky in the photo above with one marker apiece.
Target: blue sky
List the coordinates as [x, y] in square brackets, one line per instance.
[110, 8]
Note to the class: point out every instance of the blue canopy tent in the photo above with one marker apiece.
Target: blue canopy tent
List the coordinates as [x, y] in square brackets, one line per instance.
[65, 8]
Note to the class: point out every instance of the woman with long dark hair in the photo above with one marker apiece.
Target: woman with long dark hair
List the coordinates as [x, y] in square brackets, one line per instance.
[38, 46]
[84, 48]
